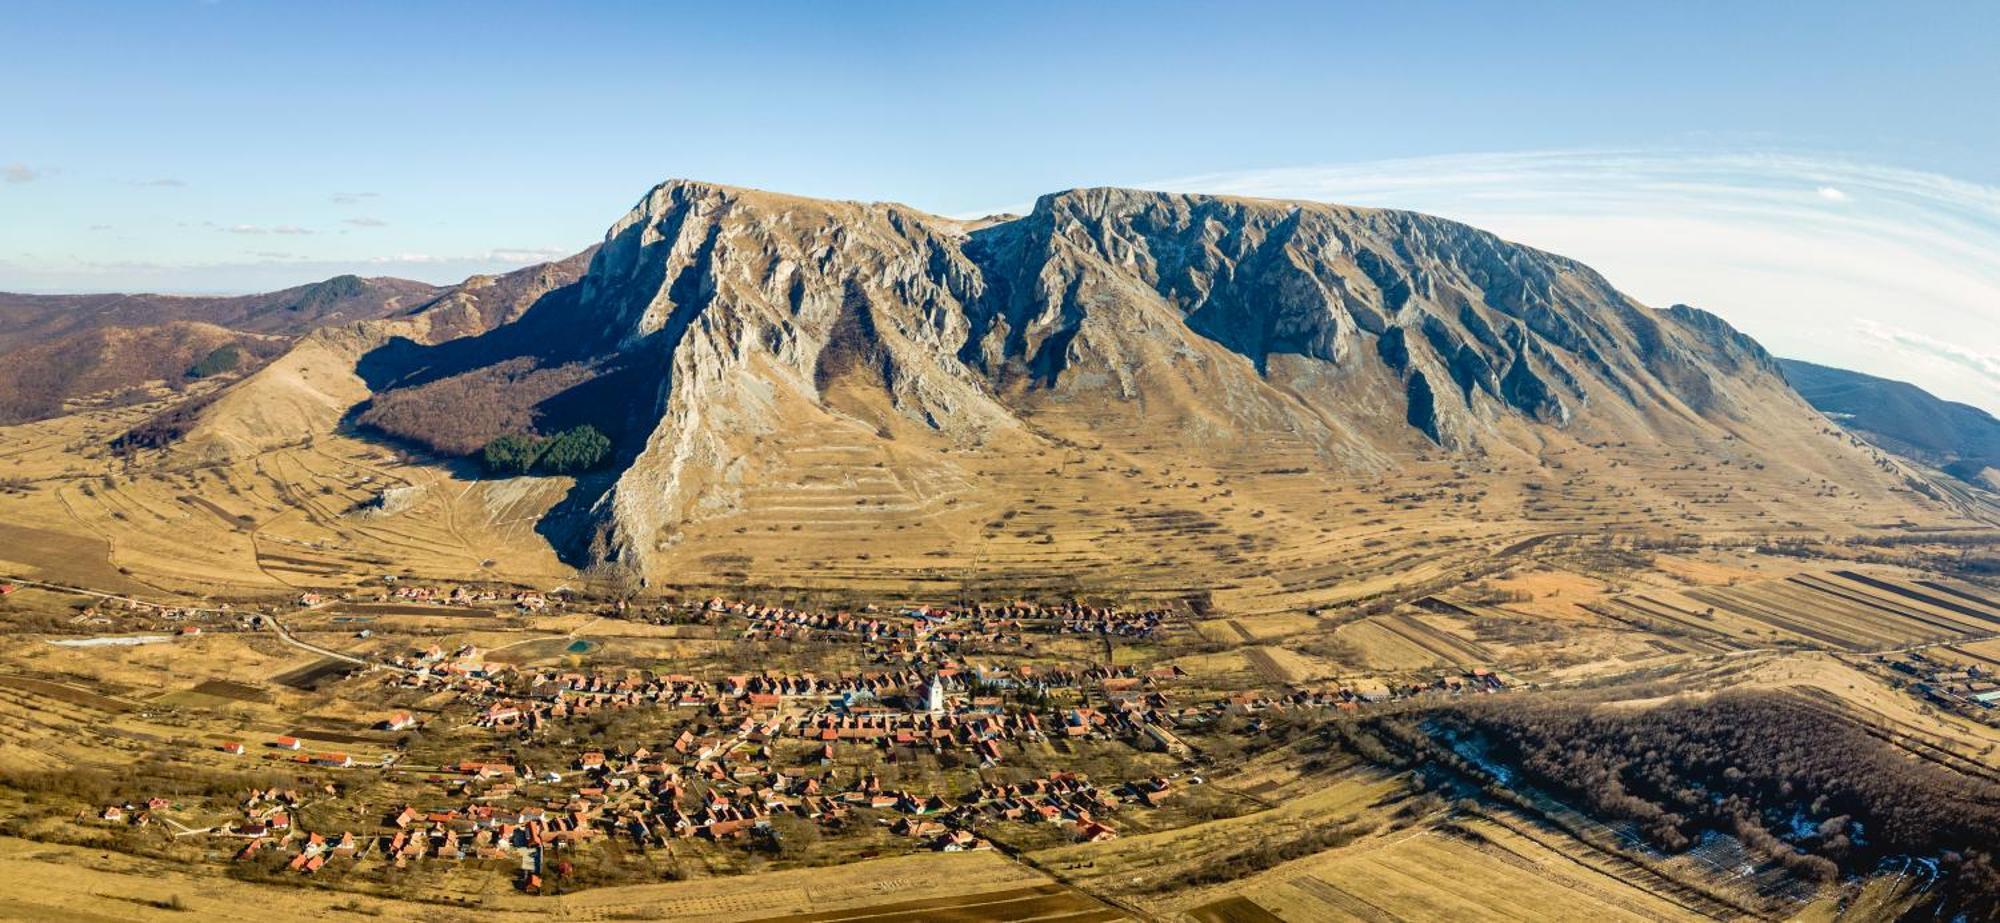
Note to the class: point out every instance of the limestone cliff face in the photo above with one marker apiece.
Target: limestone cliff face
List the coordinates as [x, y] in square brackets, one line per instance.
[752, 307]
[1469, 328]
[1357, 333]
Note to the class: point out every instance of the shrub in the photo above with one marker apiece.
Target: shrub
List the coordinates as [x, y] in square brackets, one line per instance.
[1758, 766]
[224, 358]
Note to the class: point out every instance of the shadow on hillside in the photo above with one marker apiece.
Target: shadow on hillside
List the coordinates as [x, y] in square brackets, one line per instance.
[571, 526]
[442, 402]
[545, 333]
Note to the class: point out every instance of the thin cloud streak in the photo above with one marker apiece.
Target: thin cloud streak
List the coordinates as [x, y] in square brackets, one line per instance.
[289, 230]
[1984, 365]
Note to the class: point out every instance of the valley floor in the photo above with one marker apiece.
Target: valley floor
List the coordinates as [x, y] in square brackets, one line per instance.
[1168, 660]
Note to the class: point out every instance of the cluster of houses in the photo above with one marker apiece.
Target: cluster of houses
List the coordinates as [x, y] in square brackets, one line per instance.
[941, 706]
[434, 666]
[654, 799]
[181, 620]
[869, 626]
[1346, 698]
[720, 780]
[523, 600]
[942, 625]
[977, 732]
[262, 813]
[1067, 798]
[1960, 687]
[137, 814]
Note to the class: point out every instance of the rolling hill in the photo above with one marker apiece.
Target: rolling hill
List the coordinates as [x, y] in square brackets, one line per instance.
[1959, 439]
[56, 350]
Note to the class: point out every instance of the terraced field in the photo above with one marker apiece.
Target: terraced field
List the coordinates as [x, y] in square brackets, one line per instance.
[1839, 609]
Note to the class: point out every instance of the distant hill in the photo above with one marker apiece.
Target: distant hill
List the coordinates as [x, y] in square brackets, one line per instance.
[1960, 439]
[28, 319]
[56, 349]
[114, 364]
[109, 348]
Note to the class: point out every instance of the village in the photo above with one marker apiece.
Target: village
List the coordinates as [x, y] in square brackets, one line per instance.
[939, 728]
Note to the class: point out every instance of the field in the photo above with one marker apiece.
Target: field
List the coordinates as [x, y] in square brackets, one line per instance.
[971, 888]
[1202, 767]
[1842, 609]
[841, 511]
[1479, 869]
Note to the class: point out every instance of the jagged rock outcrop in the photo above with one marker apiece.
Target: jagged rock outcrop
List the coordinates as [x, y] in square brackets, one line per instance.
[1362, 333]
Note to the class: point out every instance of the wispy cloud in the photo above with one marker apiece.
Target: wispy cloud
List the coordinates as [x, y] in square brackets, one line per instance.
[20, 173]
[365, 222]
[288, 230]
[1984, 365]
[527, 254]
[514, 255]
[353, 198]
[1800, 251]
[164, 182]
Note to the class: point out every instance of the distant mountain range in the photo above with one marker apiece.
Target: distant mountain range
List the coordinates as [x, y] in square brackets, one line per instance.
[1960, 439]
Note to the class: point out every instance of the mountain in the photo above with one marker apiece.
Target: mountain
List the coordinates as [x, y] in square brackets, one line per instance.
[43, 318]
[728, 337]
[56, 349]
[1959, 439]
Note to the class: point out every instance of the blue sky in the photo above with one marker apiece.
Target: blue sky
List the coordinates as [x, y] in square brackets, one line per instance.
[1822, 174]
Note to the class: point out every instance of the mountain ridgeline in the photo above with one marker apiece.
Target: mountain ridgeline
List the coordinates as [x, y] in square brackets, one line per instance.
[714, 321]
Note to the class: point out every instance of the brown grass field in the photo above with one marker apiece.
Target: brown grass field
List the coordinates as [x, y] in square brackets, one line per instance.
[1568, 573]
